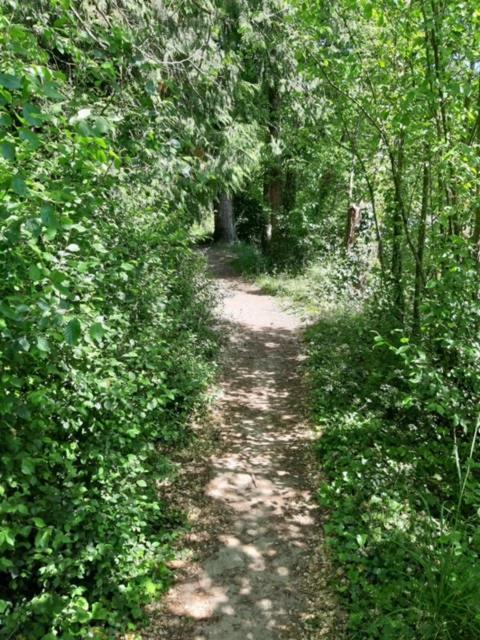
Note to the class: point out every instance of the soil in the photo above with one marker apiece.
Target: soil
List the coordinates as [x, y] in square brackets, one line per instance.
[257, 568]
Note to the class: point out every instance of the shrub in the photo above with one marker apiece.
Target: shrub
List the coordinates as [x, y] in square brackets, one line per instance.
[104, 345]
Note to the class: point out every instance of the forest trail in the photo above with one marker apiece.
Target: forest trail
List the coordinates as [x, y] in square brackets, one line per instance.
[259, 549]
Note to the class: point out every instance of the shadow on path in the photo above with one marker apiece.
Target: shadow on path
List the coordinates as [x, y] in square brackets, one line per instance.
[254, 582]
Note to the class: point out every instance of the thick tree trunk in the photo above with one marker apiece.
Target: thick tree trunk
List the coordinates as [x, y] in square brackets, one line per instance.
[274, 199]
[273, 196]
[224, 221]
[275, 190]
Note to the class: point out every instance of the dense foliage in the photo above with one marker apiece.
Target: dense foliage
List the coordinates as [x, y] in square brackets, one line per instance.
[345, 138]
[104, 313]
[375, 199]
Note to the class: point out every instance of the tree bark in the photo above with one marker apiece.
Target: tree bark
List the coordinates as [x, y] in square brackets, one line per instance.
[290, 190]
[273, 178]
[354, 213]
[397, 262]
[224, 220]
[476, 230]
[476, 221]
[354, 217]
[399, 222]
[419, 269]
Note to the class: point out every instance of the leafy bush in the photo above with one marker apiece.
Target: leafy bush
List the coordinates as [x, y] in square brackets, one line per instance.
[399, 523]
[401, 509]
[442, 363]
[248, 259]
[328, 285]
[105, 348]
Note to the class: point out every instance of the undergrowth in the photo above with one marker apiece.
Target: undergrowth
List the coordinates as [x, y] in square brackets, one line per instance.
[248, 260]
[324, 287]
[410, 568]
[105, 315]
[401, 507]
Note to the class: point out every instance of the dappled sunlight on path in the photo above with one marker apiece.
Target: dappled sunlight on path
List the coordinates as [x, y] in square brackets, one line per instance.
[253, 584]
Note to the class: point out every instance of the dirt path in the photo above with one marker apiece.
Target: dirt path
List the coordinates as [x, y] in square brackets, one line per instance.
[258, 571]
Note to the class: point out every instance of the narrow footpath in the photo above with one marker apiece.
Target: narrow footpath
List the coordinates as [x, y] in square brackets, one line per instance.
[259, 571]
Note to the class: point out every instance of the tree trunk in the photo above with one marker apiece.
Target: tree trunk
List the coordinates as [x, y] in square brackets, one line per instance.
[476, 232]
[354, 217]
[476, 222]
[354, 213]
[273, 179]
[378, 233]
[224, 222]
[398, 223]
[419, 270]
[290, 190]
[397, 262]
[275, 197]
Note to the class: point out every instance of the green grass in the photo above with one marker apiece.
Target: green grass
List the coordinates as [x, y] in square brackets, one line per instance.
[325, 288]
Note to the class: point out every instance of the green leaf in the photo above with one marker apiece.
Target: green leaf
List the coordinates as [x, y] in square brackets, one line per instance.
[60, 280]
[35, 273]
[27, 466]
[42, 537]
[86, 130]
[7, 150]
[101, 126]
[81, 613]
[7, 311]
[24, 343]
[73, 331]
[19, 185]
[7, 537]
[32, 115]
[9, 81]
[97, 331]
[31, 138]
[49, 217]
[50, 90]
[39, 522]
[361, 539]
[99, 612]
[5, 120]
[42, 344]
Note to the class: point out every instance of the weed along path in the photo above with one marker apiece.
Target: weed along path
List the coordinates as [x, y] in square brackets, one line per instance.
[257, 570]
